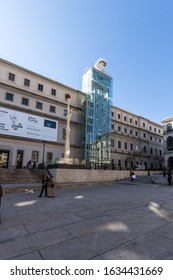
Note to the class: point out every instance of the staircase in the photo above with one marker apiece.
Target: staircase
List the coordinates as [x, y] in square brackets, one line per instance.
[20, 179]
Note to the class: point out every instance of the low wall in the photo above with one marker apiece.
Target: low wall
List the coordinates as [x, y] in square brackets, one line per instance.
[90, 175]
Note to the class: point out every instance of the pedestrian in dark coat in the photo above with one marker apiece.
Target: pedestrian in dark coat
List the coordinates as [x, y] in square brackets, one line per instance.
[34, 165]
[169, 178]
[44, 185]
[131, 175]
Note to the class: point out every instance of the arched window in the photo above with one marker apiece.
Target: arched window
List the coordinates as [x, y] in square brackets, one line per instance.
[169, 143]
[169, 127]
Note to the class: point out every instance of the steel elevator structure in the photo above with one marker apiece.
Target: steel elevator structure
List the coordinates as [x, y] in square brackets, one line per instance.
[97, 84]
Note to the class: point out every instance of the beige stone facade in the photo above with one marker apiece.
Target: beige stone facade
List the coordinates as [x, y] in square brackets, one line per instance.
[27, 92]
[135, 140]
[168, 142]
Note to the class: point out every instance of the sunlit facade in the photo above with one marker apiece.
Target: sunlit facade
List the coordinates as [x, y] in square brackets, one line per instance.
[37, 103]
[168, 142]
[33, 111]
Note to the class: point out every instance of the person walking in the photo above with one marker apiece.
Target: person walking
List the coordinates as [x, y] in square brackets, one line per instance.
[169, 178]
[44, 185]
[132, 175]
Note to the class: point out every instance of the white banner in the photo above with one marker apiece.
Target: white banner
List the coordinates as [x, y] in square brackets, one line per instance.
[20, 124]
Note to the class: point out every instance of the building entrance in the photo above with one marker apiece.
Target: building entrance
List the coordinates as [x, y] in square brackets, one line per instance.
[4, 157]
[19, 160]
[170, 162]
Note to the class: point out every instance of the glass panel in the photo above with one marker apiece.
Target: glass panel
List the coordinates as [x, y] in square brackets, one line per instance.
[4, 159]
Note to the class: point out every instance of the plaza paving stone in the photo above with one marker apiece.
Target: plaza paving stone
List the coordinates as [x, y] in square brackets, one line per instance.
[121, 220]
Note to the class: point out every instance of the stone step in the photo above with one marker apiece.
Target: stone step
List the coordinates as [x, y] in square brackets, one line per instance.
[20, 176]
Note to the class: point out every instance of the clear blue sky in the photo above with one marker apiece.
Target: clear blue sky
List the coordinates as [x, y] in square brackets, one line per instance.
[60, 38]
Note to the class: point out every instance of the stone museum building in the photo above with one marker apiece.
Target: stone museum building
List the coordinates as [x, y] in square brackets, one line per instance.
[33, 111]
[168, 142]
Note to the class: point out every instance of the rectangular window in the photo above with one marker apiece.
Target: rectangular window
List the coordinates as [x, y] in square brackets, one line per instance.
[119, 128]
[154, 129]
[125, 130]
[65, 113]
[26, 82]
[125, 163]
[160, 153]
[63, 133]
[49, 123]
[11, 77]
[130, 120]
[145, 149]
[143, 124]
[39, 105]
[112, 114]
[112, 126]
[35, 155]
[151, 151]
[119, 116]
[49, 157]
[131, 147]
[144, 135]
[53, 92]
[119, 144]
[112, 143]
[131, 131]
[40, 87]
[136, 122]
[52, 109]
[9, 96]
[25, 101]
[119, 163]
[125, 146]
[151, 138]
[136, 133]
[125, 118]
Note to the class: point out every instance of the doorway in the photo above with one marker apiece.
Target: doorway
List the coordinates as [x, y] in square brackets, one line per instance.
[4, 158]
[170, 162]
[19, 159]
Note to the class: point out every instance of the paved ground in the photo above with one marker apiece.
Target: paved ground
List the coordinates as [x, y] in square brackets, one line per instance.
[112, 221]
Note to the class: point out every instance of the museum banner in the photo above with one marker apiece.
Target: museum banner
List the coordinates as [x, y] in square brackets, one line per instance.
[20, 124]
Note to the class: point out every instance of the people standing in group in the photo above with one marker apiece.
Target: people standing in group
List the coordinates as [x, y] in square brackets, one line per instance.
[45, 181]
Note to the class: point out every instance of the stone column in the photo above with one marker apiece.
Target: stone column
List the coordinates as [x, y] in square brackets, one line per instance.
[68, 118]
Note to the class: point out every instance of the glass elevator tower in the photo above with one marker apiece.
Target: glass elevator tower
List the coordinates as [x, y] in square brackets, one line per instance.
[97, 84]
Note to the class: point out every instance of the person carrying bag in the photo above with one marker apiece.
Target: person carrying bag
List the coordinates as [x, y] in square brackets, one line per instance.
[52, 187]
